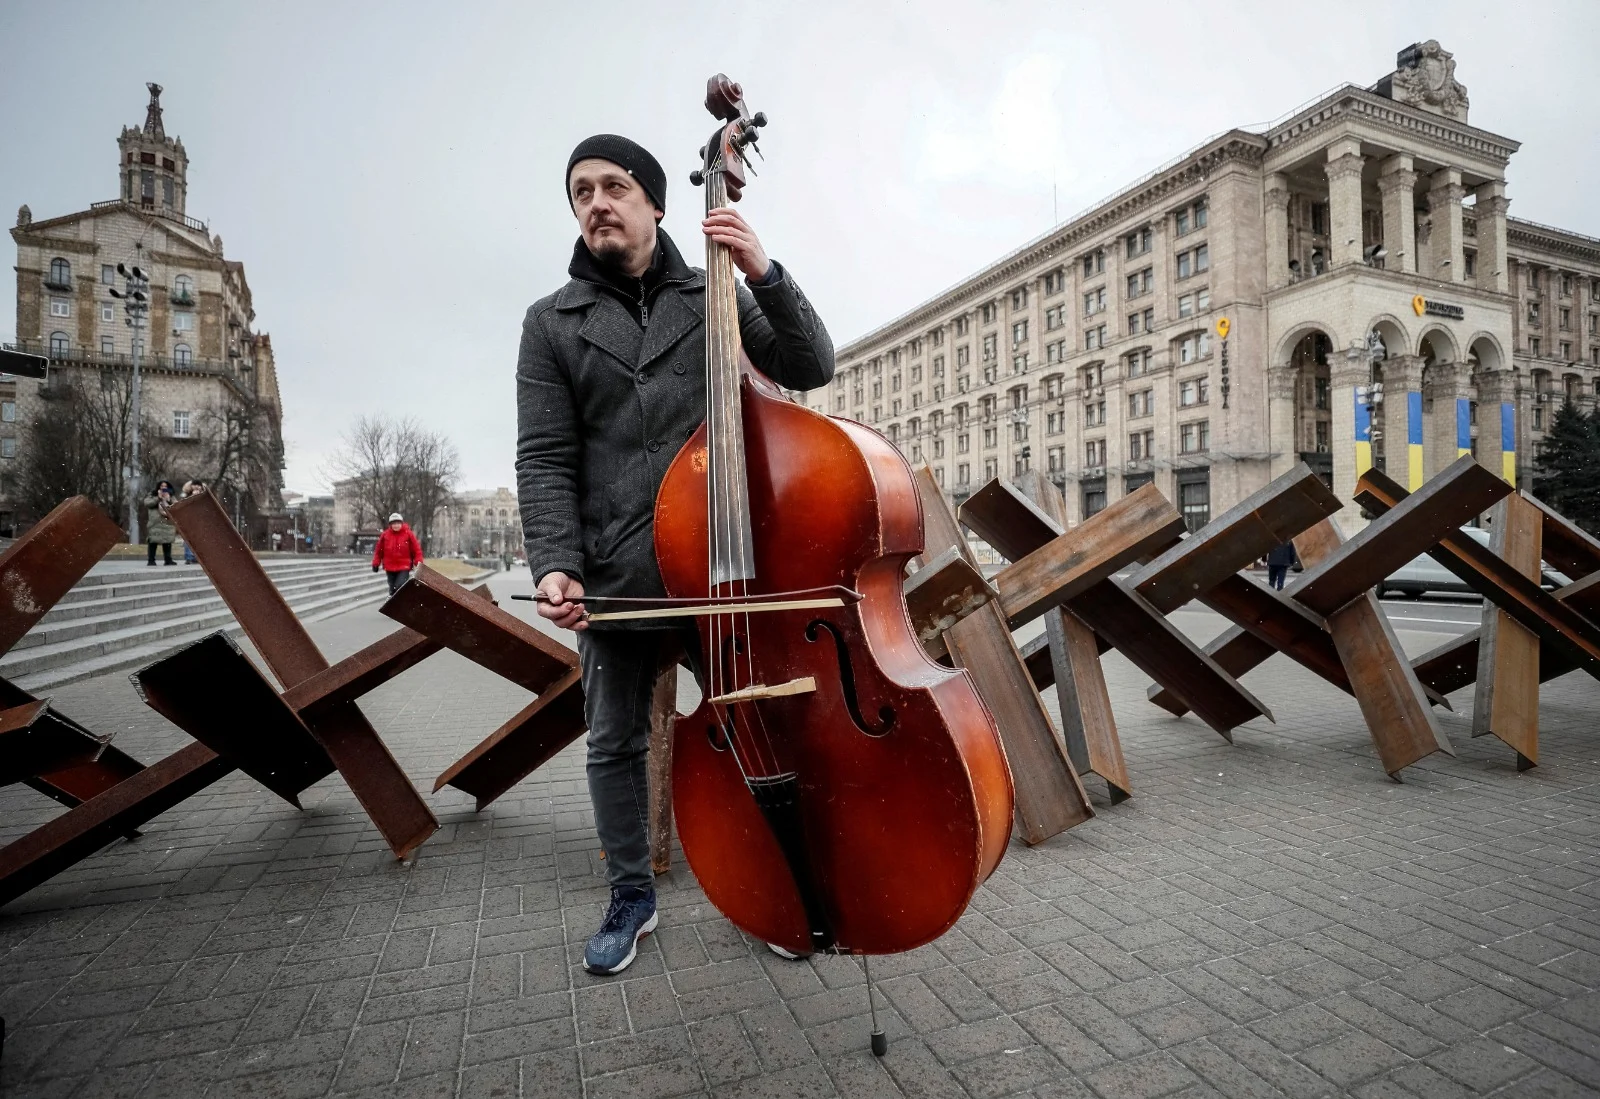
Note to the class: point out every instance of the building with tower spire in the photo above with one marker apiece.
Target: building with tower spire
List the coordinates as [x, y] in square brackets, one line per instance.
[209, 383]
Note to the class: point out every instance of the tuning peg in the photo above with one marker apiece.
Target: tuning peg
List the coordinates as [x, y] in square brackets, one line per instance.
[696, 177]
[702, 152]
[759, 118]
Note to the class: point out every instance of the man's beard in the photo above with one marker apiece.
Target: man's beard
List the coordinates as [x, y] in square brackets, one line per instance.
[611, 252]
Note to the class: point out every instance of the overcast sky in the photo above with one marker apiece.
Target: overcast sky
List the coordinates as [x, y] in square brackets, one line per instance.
[390, 174]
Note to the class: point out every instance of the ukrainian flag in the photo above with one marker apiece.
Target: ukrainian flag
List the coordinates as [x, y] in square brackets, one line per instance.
[1508, 442]
[1463, 426]
[1414, 439]
[1363, 436]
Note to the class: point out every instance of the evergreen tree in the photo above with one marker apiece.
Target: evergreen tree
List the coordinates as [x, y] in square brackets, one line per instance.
[1567, 473]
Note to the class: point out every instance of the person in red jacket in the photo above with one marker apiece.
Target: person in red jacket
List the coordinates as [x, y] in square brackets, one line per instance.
[397, 553]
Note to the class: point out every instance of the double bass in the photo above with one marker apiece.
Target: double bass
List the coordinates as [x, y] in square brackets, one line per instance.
[836, 790]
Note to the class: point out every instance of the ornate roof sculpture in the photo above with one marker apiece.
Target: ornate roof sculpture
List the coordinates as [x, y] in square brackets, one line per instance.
[1425, 76]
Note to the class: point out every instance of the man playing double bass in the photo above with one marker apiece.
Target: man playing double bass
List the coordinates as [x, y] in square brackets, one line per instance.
[610, 385]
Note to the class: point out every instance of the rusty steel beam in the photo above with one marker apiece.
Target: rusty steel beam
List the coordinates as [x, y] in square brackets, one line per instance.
[1567, 547]
[1398, 717]
[1435, 511]
[247, 590]
[527, 741]
[663, 723]
[355, 748]
[438, 608]
[1120, 616]
[1049, 795]
[1557, 622]
[1506, 704]
[1167, 655]
[1454, 664]
[1141, 523]
[367, 669]
[1088, 723]
[1244, 533]
[34, 740]
[50, 557]
[211, 691]
[81, 831]
[942, 593]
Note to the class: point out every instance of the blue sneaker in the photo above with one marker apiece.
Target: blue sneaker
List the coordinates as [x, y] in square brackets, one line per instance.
[631, 916]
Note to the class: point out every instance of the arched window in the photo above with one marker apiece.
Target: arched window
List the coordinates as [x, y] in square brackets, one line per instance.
[183, 288]
[58, 345]
[60, 272]
[182, 355]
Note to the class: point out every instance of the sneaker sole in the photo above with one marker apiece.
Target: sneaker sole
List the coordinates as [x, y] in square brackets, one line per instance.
[633, 951]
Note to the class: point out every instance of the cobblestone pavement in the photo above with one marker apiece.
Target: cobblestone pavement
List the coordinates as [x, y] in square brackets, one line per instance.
[1274, 917]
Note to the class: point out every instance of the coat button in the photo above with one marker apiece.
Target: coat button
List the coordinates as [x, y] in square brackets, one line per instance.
[653, 446]
[678, 368]
[643, 377]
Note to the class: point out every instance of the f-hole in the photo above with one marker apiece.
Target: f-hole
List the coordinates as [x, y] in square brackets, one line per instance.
[847, 678]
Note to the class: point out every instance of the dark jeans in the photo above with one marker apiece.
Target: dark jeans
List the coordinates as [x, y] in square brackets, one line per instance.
[619, 676]
[166, 551]
[397, 580]
[1275, 575]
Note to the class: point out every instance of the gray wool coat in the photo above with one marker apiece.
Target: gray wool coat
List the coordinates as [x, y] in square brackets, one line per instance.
[603, 406]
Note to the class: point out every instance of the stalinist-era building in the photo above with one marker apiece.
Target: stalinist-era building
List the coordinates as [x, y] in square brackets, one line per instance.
[1345, 289]
[209, 382]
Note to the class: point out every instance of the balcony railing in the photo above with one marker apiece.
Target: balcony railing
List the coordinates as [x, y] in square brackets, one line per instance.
[52, 284]
[181, 298]
[238, 373]
[156, 211]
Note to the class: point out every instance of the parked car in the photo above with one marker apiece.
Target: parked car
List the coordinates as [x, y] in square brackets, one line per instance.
[1424, 574]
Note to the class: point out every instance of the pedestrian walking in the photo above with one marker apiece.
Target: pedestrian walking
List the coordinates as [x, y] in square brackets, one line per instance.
[398, 553]
[1278, 562]
[158, 528]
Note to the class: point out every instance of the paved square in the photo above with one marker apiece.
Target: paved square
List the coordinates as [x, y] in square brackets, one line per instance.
[1274, 917]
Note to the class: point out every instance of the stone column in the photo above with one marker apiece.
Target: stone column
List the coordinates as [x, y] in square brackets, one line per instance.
[1276, 208]
[1444, 210]
[1351, 456]
[1283, 413]
[1402, 442]
[1449, 384]
[1344, 202]
[1493, 266]
[1398, 183]
[1497, 428]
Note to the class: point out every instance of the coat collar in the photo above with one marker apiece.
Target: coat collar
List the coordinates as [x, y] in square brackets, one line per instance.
[678, 308]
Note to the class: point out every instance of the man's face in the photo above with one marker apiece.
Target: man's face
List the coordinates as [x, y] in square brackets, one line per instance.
[395, 526]
[615, 216]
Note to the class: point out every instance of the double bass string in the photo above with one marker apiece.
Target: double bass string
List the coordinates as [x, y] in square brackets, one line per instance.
[728, 521]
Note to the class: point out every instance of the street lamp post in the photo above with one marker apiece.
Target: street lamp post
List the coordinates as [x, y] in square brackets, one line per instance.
[136, 303]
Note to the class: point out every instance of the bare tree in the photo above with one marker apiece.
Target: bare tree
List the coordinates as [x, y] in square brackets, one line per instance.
[79, 441]
[397, 465]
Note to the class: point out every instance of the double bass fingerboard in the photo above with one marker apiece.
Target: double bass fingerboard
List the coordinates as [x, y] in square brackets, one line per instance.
[732, 551]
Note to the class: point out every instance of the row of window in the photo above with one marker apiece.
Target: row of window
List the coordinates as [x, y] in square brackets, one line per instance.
[1192, 348]
[1563, 280]
[1194, 437]
[61, 275]
[182, 319]
[1139, 242]
[1141, 403]
[1564, 350]
[1563, 318]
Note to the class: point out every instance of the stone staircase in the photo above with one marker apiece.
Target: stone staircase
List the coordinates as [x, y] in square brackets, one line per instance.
[123, 618]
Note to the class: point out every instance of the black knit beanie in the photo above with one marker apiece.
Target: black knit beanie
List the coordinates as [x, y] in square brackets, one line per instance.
[634, 158]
